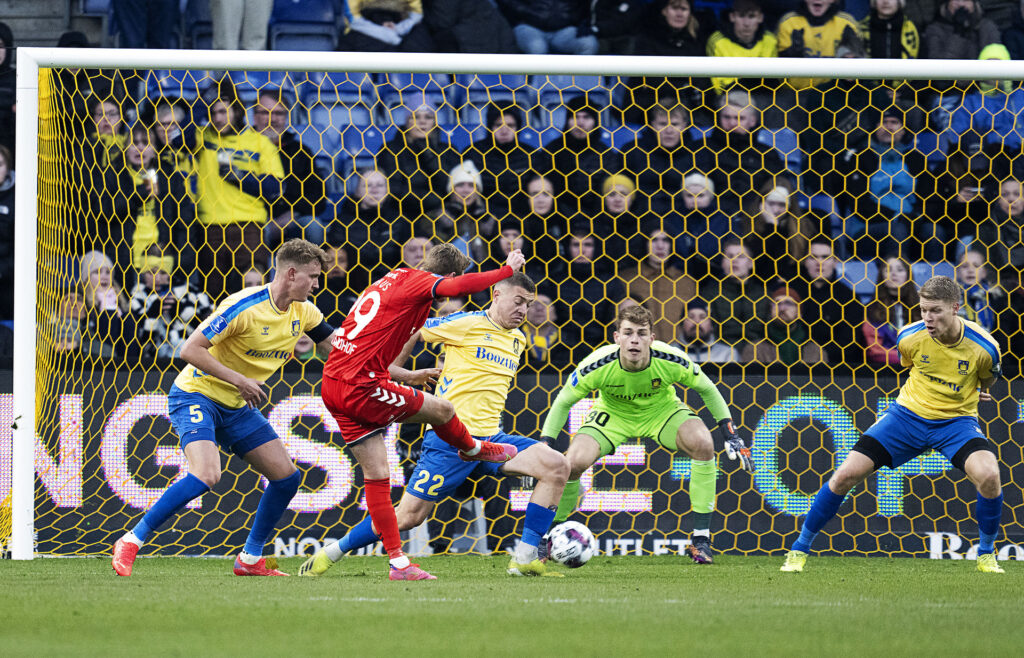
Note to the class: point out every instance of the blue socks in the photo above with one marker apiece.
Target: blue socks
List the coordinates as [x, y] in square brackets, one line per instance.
[824, 507]
[272, 505]
[173, 501]
[538, 520]
[988, 512]
[360, 535]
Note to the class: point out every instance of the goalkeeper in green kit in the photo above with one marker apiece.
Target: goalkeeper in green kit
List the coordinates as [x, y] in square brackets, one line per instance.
[635, 377]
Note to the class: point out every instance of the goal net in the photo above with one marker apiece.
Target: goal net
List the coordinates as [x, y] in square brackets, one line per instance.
[777, 228]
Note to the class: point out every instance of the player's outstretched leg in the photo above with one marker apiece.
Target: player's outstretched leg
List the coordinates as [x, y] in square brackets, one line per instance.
[551, 470]
[177, 496]
[827, 501]
[440, 414]
[411, 512]
[981, 467]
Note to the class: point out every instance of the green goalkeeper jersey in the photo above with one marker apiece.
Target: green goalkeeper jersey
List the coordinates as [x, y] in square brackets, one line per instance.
[625, 393]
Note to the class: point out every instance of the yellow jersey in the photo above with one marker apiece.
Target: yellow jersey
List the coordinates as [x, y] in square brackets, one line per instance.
[221, 202]
[251, 336]
[481, 359]
[944, 379]
[720, 45]
[821, 40]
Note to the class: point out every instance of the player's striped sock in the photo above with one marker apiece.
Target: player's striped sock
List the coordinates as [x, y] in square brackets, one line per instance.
[378, 502]
[360, 535]
[824, 507]
[170, 503]
[272, 505]
[455, 434]
[989, 512]
[567, 504]
[703, 476]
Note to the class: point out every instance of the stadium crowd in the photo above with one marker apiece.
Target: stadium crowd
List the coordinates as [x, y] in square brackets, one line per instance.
[770, 221]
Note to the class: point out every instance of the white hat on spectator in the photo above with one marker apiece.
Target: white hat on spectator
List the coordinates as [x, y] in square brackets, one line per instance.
[93, 261]
[701, 180]
[778, 194]
[465, 172]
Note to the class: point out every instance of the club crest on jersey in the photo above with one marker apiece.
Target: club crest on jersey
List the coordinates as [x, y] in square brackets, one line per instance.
[515, 345]
[656, 382]
[295, 327]
[962, 366]
[265, 331]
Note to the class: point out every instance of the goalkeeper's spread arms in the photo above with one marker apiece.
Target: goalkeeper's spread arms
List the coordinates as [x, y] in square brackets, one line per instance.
[635, 395]
[635, 379]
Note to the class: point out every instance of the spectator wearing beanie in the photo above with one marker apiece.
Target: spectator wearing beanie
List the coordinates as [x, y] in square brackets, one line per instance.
[503, 160]
[698, 337]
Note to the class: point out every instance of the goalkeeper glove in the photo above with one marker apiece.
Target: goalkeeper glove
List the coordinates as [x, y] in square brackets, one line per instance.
[734, 446]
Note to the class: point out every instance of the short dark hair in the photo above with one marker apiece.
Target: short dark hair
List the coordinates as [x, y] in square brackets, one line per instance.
[278, 94]
[495, 112]
[444, 259]
[941, 289]
[637, 314]
[300, 252]
[520, 279]
[745, 6]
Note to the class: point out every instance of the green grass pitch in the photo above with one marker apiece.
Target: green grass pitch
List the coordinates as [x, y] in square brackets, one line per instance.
[614, 606]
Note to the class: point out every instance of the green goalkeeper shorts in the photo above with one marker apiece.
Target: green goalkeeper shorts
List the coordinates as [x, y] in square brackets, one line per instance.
[610, 428]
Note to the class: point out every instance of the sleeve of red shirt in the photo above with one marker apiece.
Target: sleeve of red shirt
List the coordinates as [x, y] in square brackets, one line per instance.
[467, 284]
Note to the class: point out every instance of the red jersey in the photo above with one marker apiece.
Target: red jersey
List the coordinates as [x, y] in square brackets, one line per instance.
[380, 323]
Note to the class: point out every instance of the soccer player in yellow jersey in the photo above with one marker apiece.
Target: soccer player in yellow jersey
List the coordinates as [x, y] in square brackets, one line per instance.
[214, 400]
[952, 363]
[482, 350]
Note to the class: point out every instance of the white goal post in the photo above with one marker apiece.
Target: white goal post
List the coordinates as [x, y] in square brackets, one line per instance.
[30, 60]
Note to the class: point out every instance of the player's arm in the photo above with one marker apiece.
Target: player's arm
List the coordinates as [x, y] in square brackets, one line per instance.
[322, 335]
[572, 392]
[467, 284]
[403, 375]
[735, 448]
[196, 351]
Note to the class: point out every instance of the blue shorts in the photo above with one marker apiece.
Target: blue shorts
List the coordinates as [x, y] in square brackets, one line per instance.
[906, 435]
[196, 417]
[440, 470]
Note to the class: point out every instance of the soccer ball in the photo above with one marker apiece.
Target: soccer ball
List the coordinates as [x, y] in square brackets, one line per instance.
[571, 544]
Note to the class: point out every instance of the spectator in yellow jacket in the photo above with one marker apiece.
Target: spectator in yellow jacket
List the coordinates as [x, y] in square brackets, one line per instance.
[744, 36]
[888, 33]
[816, 29]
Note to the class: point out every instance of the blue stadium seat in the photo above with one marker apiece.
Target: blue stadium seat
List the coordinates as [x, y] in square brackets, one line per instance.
[859, 275]
[784, 140]
[625, 135]
[363, 144]
[249, 84]
[929, 143]
[303, 25]
[397, 89]
[95, 7]
[480, 90]
[921, 272]
[338, 116]
[341, 88]
[554, 91]
[198, 24]
[165, 83]
[459, 137]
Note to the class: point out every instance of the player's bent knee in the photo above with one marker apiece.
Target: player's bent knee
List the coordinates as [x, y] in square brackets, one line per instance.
[443, 409]
[209, 477]
[555, 466]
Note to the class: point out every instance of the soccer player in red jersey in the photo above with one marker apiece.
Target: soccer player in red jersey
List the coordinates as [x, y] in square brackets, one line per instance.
[366, 392]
